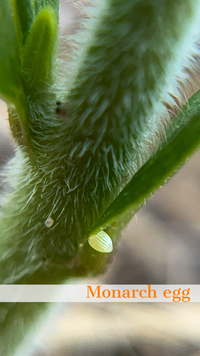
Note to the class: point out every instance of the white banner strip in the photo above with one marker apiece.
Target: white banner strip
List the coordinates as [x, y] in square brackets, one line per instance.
[141, 293]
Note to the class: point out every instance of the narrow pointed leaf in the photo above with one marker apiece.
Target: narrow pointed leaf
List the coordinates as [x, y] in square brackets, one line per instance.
[10, 80]
[24, 14]
[179, 146]
[39, 53]
[40, 4]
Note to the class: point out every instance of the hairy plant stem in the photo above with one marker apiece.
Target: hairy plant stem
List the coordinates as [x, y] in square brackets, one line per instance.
[85, 154]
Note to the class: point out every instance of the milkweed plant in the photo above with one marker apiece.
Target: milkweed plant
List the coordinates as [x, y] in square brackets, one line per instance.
[96, 134]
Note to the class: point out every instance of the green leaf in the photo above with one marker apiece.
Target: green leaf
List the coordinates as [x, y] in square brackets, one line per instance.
[183, 138]
[24, 14]
[10, 79]
[38, 58]
[40, 4]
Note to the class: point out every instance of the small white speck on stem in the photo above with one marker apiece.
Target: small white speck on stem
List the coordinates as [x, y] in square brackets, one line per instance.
[49, 222]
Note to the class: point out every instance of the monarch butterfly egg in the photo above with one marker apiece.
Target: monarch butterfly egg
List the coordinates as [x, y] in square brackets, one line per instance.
[101, 242]
[49, 222]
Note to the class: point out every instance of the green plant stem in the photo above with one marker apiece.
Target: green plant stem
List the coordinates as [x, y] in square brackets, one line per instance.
[84, 158]
[87, 155]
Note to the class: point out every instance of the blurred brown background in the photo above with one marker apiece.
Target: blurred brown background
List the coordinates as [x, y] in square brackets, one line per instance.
[160, 245]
